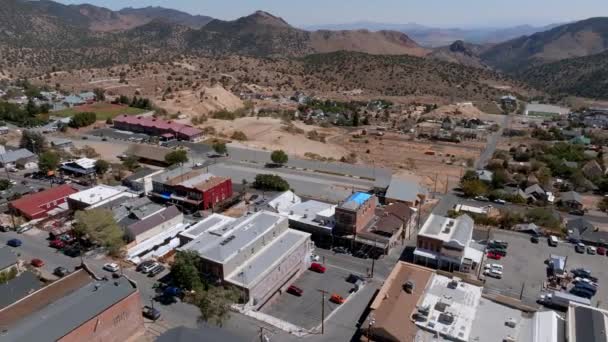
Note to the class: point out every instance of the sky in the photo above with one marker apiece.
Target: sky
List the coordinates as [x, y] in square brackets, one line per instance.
[436, 13]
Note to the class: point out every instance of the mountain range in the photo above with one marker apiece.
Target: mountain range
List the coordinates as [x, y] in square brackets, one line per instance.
[42, 34]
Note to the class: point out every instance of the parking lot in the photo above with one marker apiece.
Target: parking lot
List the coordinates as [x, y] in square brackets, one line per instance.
[525, 268]
[305, 311]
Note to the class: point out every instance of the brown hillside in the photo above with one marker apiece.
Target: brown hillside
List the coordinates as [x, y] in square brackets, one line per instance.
[380, 43]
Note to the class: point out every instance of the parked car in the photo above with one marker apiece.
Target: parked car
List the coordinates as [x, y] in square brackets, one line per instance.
[37, 262]
[61, 271]
[147, 268]
[73, 252]
[340, 250]
[601, 251]
[501, 252]
[151, 313]
[494, 256]
[498, 243]
[493, 273]
[578, 212]
[314, 257]
[360, 254]
[591, 250]
[534, 239]
[353, 278]
[493, 267]
[552, 241]
[336, 298]
[500, 201]
[294, 290]
[482, 199]
[156, 271]
[317, 267]
[111, 267]
[143, 264]
[14, 242]
[579, 248]
[581, 272]
[57, 243]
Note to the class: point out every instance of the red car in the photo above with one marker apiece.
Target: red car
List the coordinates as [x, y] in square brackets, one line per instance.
[336, 298]
[601, 251]
[294, 290]
[57, 243]
[493, 255]
[37, 263]
[317, 267]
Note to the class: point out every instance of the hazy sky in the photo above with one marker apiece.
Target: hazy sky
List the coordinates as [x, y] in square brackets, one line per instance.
[442, 13]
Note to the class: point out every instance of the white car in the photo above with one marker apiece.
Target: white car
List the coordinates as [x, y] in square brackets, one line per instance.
[493, 273]
[497, 267]
[591, 250]
[111, 267]
[314, 257]
[147, 268]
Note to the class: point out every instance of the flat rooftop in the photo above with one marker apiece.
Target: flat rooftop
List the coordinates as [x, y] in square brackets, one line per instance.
[491, 323]
[223, 243]
[264, 261]
[451, 309]
[96, 194]
[458, 230]
[355, 200]
[64, 314]
[212, 222]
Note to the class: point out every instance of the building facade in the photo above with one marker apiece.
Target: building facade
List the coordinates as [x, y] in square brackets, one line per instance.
[37, 205]
[355, 213]
[157, 127]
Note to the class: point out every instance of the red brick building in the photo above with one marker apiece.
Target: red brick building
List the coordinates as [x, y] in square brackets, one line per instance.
[193, 188]
[75, 308]
[157, 127]
[355, 213]
[37, 205]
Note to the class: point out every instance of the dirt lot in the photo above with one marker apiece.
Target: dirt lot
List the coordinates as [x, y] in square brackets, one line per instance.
[270, 134]
[203, 100]
[429, 160]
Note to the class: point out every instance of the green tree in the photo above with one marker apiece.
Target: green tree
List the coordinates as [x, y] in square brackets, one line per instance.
[99, 226]
[270, 183]
[214, 304]
[469, 175]
[472, 188]
[131, 162]
[176, 157]
[83, 119]
[48, 161]
[499, 178]
[101, 166]
[4, 184]
[279, 157]
[33, 141]
[184, 270]
[100, 94]
[220, 147]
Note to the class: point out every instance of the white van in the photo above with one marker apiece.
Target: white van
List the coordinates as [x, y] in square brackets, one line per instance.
[553, 241]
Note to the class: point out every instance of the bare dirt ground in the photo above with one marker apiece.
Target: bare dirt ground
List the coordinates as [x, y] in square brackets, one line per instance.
[269, 133]
[107, 150]
[431, 161]
[461, 110]
[201, 101]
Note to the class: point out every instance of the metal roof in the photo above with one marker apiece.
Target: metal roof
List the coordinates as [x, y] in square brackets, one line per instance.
[457, 231]
[404, 190]
[96, 194]
[65, 314]
[13, 156]
[141, 173]
[589, 324]
[17, 288]
[154, 221]
[571, 196]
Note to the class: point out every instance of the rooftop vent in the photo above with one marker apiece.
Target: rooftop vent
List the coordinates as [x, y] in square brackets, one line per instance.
[446, 318]
[409, 286]
[453, 284]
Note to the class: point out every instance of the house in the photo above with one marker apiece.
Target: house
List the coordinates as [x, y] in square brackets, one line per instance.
[484, 175]
[581, 230]
[154, 225]
[88, 97]
[592, 170]
[73, 100]
[37, 205]
[539, 109]
[149, 154]
[193, 188]
[167, 130]
[141, 179]
[78, 307]
[446, 243]
[406, 191]
[79, 167]
[257, 253]
[535, 192]
[529, 228]
[8, 260]
[10, 158]
[60, 143]
[571, 199]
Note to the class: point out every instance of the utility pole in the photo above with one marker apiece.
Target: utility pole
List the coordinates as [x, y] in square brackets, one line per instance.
[521, 294]
[373, 260]
[323, 292]
[263, 338]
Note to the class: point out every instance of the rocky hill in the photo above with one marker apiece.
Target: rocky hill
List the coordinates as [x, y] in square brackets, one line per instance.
[582, 76]
[578, 39]
[462, 53]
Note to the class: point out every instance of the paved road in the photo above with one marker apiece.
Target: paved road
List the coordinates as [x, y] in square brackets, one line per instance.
[488, 152]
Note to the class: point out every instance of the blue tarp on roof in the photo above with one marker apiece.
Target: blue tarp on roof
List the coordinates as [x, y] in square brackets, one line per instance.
[358, 197]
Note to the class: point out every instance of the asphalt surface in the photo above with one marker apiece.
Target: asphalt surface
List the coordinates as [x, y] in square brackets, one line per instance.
[488, 152]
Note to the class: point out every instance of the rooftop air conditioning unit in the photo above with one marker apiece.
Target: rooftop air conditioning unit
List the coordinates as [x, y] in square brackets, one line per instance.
[409, 286]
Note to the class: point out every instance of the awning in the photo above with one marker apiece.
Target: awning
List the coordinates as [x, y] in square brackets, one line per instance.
[419, 252]
[473, 254]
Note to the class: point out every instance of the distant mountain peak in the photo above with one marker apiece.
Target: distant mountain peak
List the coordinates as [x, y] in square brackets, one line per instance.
[265, 18]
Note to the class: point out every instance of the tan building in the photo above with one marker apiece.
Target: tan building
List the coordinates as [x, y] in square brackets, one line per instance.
[355, 213]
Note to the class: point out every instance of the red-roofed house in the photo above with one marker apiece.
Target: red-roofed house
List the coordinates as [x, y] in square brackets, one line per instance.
[37, 205]
[157, 127]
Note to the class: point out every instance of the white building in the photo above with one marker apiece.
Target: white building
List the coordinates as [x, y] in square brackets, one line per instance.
[96, 196]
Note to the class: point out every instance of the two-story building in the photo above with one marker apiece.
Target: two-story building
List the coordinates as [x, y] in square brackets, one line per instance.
[355, 213]
[445, 243]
